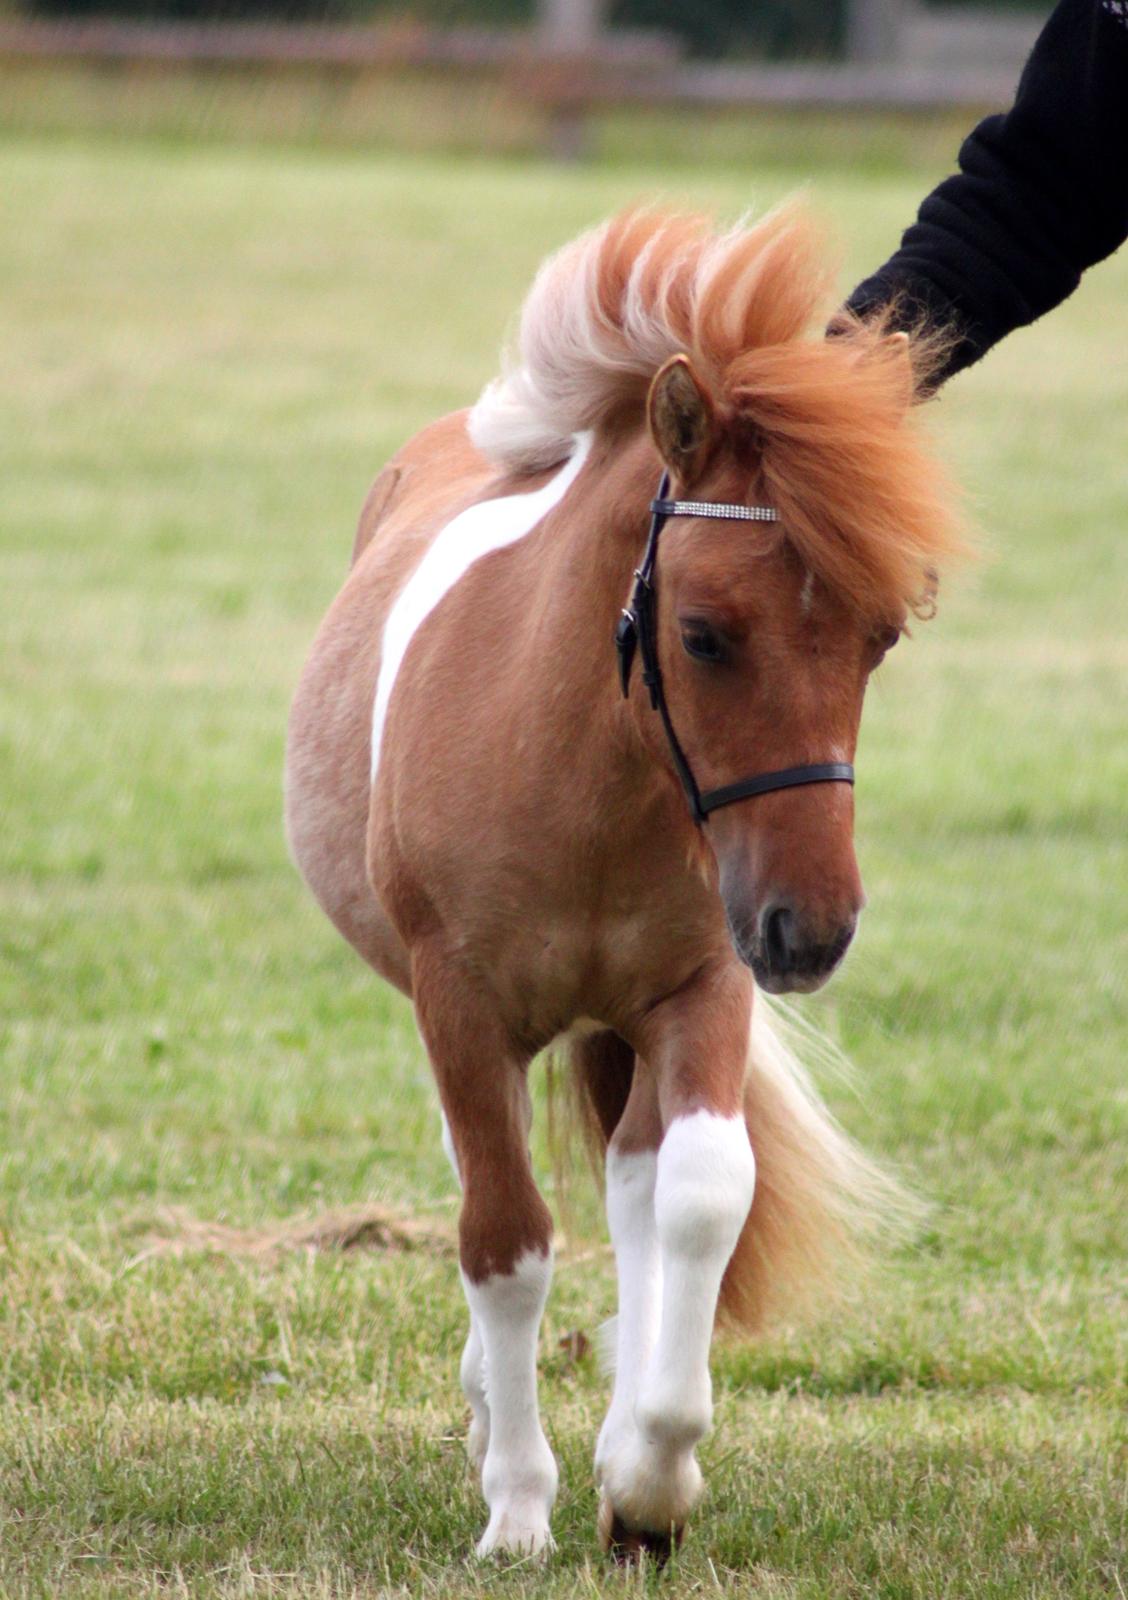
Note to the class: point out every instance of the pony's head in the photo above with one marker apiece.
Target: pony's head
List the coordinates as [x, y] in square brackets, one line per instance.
[707, 349]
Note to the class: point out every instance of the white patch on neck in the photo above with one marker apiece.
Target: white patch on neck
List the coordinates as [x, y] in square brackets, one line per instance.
[807, 594]
[489, 525]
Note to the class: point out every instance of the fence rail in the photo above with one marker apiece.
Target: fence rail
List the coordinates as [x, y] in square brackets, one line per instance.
[629, 67]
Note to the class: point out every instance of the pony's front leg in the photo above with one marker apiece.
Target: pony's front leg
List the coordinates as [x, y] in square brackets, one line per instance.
[696, 1045]
[505, 1251]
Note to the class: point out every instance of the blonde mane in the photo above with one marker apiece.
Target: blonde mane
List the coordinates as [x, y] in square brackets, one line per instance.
[861, 496]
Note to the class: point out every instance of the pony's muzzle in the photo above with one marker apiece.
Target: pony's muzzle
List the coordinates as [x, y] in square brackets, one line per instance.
[790, 885]
[789, 952]
[788, 955]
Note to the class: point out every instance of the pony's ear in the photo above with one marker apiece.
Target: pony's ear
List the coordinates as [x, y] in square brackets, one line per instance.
[897, 347]
[681, 418]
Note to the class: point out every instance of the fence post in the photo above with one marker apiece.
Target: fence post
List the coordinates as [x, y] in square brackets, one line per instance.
[570, 31]
[873, 30]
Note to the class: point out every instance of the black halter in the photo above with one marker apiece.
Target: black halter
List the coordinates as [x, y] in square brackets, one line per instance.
[639, 627]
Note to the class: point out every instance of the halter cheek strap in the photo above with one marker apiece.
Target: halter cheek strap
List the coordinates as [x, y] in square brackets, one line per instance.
[638, 630]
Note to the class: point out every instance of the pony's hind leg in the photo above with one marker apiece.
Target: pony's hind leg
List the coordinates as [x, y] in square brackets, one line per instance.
[472, 1368]
[631, 1174]
[703, 1179]
[505, 1250]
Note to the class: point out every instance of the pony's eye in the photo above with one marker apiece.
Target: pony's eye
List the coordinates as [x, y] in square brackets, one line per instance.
[702, 642]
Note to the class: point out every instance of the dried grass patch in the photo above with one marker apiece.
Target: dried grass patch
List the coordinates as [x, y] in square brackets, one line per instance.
[176, 1232]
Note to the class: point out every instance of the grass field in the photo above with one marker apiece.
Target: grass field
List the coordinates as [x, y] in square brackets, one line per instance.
[208, 351]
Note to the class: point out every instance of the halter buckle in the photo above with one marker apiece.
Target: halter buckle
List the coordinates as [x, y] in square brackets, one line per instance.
[626, 642]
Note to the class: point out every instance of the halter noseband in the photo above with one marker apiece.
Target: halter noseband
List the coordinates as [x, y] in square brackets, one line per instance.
[638, 627]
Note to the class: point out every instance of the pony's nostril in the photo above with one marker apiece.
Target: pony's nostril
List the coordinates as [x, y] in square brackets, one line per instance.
[779, 935]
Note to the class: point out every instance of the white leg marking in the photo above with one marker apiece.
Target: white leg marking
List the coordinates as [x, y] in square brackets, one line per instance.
[634, 1235]
[489, 525]
[472, 1372]
[519, 1472]
[472, 1369]
[706, 1177]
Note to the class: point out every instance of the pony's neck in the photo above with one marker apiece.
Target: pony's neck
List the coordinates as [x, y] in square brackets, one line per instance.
[591, 555]
[583, 584]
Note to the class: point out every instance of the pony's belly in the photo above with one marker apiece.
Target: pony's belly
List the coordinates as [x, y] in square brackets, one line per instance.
[328, 756]
[327, 802]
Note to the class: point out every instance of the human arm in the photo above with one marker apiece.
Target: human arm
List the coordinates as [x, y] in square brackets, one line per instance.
[1041, 194]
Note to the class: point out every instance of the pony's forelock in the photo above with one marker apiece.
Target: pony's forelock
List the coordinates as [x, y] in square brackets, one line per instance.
[862, 498]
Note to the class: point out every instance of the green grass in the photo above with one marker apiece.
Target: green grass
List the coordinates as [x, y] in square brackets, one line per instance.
[208, 352]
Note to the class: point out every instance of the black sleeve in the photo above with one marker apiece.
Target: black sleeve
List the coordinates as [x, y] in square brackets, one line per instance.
[1042, 193]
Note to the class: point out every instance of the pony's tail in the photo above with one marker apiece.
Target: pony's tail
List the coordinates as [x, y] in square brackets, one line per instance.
[820, 1203]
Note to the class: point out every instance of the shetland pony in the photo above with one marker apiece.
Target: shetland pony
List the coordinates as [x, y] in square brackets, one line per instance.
[497, 819]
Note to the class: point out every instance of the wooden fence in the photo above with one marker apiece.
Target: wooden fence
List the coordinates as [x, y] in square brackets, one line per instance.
[629, 67]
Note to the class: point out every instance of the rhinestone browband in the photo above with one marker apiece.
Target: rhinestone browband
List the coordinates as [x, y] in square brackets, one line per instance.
[709, 508]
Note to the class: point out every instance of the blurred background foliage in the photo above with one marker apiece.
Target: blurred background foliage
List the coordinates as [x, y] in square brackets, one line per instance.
[707, 28]
[758, 29]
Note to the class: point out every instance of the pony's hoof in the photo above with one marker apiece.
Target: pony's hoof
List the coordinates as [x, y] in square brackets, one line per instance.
[628, 1546]
[513, 1535]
